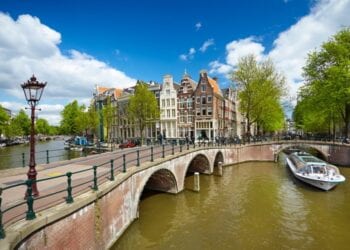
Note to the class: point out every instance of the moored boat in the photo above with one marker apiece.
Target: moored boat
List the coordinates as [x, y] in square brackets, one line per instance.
[314, 171]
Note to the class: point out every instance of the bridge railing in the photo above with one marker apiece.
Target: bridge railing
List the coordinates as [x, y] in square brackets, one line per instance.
[64, 187]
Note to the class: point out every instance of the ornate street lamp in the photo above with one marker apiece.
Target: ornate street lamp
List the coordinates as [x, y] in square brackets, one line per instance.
[33, 90]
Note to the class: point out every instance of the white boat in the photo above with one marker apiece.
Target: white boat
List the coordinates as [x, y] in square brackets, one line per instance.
[314, 171]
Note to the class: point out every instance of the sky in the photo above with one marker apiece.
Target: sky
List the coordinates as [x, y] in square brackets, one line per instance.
[76, 45]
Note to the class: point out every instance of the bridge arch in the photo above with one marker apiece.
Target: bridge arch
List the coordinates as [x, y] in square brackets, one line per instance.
[199, 163]
[219, 157]
[322, 150]
[162, 179]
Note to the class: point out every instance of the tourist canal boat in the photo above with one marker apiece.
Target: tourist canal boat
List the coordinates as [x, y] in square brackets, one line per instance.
[314, 171]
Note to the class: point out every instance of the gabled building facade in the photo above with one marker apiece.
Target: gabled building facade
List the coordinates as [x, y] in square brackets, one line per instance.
[168, 108]
[208, 106]
[185, 107]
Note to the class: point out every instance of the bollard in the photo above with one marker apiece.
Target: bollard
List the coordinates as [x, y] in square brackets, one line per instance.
[163, 153]
[69, 198]
[220, 168]
[112, 170]
[124, 164]
[151, 153]
[138, 158]
[47, 157]
[23, 160]
[2, 231]
[172, 149]
[95, 187]
[196, 184]
[30, 215]
[188, 146]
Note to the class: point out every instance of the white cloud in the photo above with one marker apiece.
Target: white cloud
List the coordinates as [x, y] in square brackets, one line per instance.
[207, 44]
[189, 55]
[198, 25]
[221, 68]
[292, 46]
[27, 46]
[243, 47]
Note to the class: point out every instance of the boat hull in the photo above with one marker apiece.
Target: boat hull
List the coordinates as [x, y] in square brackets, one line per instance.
[321, 184]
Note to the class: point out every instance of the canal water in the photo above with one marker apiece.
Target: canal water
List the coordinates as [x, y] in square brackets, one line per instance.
[12, 156]
[256, 205]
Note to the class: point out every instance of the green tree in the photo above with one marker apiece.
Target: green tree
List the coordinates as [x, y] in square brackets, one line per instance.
[327, 85]
[42, 126]
[87, 119]
[143, 107]
[20, 125]
[4, 120]
[70, 123]
[261, 88]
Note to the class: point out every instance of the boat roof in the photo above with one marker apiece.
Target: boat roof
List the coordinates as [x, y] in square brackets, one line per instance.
[307, 158]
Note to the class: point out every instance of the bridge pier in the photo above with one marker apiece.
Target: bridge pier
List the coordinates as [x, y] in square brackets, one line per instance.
[220, 168]
[196, 183]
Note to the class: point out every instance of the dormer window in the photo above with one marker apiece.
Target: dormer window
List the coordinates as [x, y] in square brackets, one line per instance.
[204, 88]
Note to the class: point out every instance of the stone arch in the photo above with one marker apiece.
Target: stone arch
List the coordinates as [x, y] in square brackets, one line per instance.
[199, 163]
[162, 180]
[317, 148]
[219, 157]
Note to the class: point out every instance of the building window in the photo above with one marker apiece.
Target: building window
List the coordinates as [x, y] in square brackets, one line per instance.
[163, 103]
[204, 88]
[173, 102]
[168, 113]
[198, 112]
[210, 112]
[173, 112]
[204, 100]
[209, 98]
[184, 90]
[167, 102]
[198, 100]
[168, 91]
[204, 112]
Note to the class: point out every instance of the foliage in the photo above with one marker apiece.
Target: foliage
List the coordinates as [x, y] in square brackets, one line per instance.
[261, 88]
[71, 118]
[42, 127]
[324, 100]
[143, 107]
[4, 119]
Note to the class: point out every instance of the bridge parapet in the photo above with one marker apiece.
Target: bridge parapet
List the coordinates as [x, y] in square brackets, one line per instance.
[101, 215]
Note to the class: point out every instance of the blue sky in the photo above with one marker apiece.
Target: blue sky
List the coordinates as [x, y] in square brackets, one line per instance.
[74, 45]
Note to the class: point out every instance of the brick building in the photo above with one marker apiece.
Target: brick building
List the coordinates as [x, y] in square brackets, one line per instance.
[185, 107]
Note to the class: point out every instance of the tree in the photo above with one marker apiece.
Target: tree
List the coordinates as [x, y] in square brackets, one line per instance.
[20, 125]
[260, 88]
[4, 119]
[87, 119]
[327, 84]
[70, 123]
[42, 126]
[143, 107]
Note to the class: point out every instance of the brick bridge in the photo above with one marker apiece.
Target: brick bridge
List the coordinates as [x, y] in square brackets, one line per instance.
[96, 219]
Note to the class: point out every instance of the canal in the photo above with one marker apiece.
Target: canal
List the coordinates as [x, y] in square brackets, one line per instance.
[12, 156]
[256, 205]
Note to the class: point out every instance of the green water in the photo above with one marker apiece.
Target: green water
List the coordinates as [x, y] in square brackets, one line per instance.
[253, 206]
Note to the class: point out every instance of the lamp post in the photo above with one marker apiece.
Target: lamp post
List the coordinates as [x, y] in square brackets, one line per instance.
[33, 91]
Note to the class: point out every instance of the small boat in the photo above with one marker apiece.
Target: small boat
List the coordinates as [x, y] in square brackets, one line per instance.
[314, 171]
